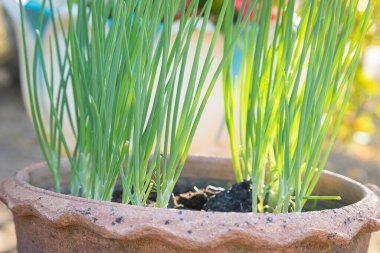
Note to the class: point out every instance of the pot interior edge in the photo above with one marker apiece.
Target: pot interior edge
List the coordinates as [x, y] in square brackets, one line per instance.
[204, 171]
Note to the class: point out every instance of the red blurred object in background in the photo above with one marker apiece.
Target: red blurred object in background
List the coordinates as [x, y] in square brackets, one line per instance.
[217, 5]
[239, 5]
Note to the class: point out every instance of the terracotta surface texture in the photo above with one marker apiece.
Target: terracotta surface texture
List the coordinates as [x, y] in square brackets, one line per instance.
[51, 222]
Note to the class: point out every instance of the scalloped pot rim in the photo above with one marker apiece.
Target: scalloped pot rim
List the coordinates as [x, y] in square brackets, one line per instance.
[186, 230]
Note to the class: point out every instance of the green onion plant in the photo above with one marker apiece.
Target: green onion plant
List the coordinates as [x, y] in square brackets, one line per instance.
[125, 76]
[284, 108]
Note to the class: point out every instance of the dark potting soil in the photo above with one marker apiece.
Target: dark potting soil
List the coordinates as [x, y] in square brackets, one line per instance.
[236, 199]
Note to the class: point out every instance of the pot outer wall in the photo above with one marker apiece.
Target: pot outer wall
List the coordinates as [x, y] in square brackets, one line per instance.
[45, 237]
[50, 222]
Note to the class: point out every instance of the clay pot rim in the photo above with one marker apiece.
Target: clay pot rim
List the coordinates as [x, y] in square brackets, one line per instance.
[22, 178]
[186, 228]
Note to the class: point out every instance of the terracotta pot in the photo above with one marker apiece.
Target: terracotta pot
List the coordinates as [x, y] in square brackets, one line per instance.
[51, 222]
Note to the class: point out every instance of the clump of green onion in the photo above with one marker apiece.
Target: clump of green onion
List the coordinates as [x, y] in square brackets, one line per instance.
[284, 108]
[126, 79]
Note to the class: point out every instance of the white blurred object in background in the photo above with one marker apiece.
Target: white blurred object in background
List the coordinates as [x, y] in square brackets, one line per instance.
[371, 62]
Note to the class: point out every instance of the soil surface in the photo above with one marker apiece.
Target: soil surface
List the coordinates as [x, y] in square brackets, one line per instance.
[238, 198]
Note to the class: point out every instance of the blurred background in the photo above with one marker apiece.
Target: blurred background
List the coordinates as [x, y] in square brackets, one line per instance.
[355, 154]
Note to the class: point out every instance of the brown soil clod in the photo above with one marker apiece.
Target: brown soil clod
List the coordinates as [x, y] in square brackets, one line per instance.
[192, 200]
